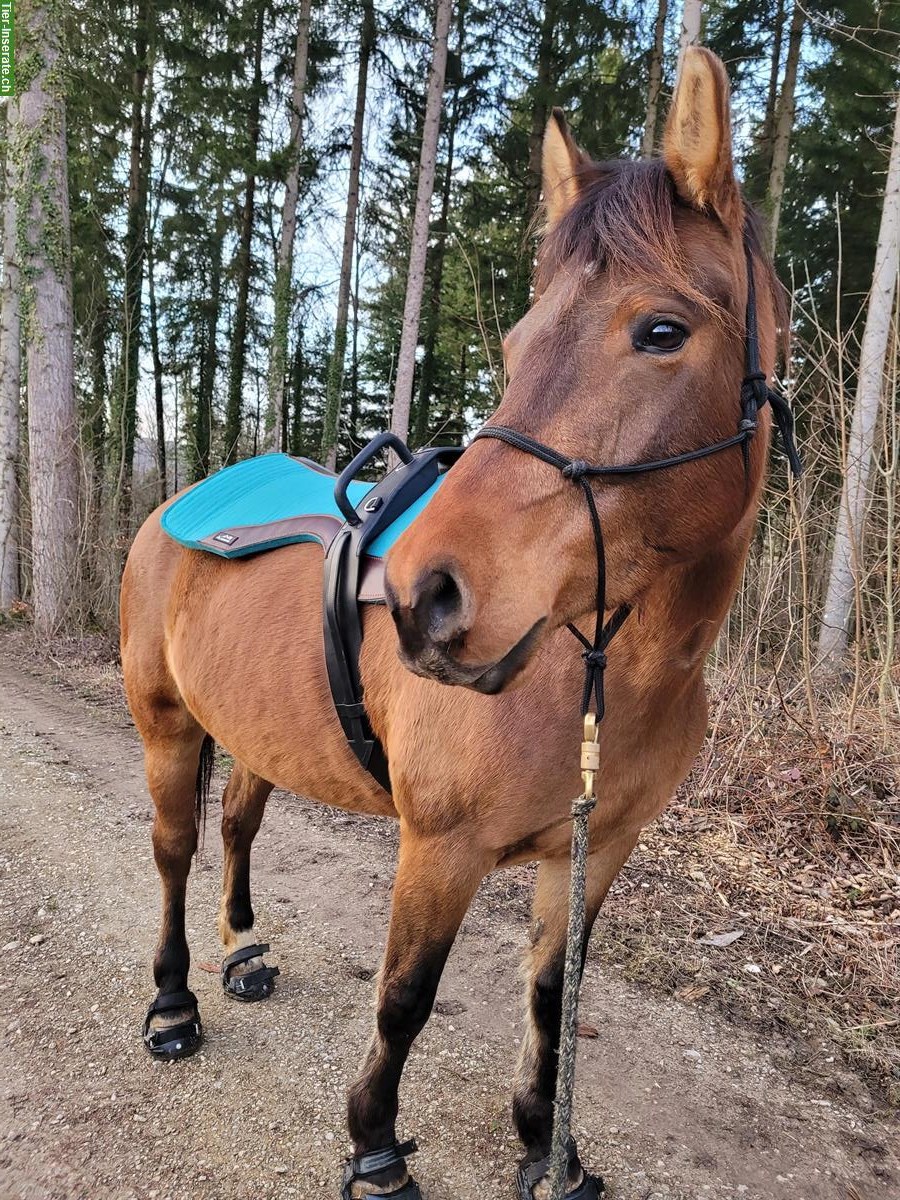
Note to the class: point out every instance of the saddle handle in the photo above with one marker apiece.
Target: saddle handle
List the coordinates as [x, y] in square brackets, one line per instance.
[368, 452]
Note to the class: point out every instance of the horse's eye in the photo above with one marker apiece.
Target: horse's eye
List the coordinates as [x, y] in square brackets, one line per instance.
[662, 337]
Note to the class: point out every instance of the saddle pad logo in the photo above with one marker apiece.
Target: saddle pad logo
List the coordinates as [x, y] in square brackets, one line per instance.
[227, 539]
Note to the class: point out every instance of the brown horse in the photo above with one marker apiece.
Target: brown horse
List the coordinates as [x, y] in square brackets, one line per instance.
[633, 349]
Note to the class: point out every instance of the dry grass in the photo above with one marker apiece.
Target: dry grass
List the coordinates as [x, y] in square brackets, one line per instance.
[796, 844]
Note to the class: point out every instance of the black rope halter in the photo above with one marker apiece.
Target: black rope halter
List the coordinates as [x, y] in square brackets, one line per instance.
[754, 394]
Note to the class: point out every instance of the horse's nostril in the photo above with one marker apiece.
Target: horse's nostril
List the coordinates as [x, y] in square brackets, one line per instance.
[446, 606]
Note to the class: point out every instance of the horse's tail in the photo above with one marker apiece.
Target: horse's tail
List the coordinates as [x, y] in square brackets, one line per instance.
[201, 792]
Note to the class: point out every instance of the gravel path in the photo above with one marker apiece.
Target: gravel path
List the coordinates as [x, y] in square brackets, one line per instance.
[674, 1101]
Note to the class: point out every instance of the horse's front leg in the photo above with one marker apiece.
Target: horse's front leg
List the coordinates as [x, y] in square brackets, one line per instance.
[536, 1074]
[435, 882]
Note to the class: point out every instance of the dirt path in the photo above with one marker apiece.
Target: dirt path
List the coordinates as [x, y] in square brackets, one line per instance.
[673, 1101]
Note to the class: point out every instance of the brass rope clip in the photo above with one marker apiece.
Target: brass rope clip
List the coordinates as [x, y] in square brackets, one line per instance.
[590, 755]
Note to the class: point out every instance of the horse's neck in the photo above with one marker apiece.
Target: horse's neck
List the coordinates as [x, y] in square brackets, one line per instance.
[679, 618]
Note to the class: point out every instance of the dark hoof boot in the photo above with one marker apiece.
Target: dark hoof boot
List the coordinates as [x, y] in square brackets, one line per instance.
[255, 985]
[373, 1166]
[176, 1041]
[529, 1175]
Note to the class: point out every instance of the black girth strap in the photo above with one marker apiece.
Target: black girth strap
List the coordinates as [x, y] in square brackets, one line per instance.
[754, 394]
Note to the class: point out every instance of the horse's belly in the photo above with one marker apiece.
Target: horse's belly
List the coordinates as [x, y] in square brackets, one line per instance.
[245, 648]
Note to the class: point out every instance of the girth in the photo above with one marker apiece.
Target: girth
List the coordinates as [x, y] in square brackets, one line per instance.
[352, 577]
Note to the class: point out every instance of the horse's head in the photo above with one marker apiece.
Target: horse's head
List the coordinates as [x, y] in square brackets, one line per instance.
[633, 350]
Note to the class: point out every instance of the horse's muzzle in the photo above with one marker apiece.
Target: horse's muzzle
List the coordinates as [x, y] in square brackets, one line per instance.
[432, 631]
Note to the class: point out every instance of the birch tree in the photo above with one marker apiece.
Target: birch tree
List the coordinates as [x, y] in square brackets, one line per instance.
[335, 379]
[10, 359]
[848, 554]
[284, 269]
[691, 21]
[415, 280]
[654, 87]
[44, 253]
[784, 124]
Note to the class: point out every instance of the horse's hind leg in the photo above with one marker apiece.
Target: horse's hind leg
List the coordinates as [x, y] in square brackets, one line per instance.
[436, 879]
[173, 743]
[244, 974]
[536, 1075]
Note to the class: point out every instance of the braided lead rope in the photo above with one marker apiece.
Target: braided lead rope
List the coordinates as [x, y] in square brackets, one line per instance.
[565, 1073]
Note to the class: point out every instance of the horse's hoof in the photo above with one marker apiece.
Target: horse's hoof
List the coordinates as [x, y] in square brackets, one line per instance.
[179, 1040]
[371, 1168]
[533, 1183]
[252, 986]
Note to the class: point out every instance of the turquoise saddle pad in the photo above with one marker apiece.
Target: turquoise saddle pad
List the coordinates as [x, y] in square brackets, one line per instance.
[270, 501]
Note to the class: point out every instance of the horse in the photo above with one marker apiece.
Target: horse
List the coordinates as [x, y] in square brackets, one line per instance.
[634, 347]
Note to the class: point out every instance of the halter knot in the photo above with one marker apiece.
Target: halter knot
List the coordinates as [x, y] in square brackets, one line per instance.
[576, 469]
[754, 388]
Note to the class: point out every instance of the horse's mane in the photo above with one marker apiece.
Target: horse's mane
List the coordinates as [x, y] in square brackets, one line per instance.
[624, 218]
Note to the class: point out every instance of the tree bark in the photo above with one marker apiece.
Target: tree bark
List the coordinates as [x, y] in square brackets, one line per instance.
[768, 129]
[426, 377]
[283, 292]
[234, 403]
[44, 253]
[654, 88]
[784, 125]
[161, 465]
[415, 280]
[124, 416]
[691, 22]
[10, 384]
[543, 100]
[202, 424]
[848, 555]
[335, 379]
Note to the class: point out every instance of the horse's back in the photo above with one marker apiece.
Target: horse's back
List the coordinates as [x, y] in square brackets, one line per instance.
[239, 643]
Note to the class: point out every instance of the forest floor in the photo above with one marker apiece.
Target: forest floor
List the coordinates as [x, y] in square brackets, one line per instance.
[757, 1066]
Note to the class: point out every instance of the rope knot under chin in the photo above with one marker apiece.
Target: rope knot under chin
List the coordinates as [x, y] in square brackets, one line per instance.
[594, 660]
[576, 469]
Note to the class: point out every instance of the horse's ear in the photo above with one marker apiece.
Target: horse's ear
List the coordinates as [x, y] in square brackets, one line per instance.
[561, 160]
[697, 142]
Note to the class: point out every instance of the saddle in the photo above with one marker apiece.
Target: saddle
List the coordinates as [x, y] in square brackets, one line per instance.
[275, 500]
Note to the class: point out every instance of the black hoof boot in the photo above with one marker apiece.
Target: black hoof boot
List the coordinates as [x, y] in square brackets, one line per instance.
[175, 1041]
[255, 985]
[530, 1174]
[377, 1167]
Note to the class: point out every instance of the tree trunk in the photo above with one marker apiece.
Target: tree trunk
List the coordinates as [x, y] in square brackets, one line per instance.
[124, 416]
[234, 402]
[654, 87]
[335, 379]
[44, 254]
[202, 424]
[768, 129]
[10, 383]
[847, 559]
[283, 272]
[426, 379]
[783, 126]
[415, 280]
[297, 390]
[543, 101]
[157, 380]
[691, 22]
